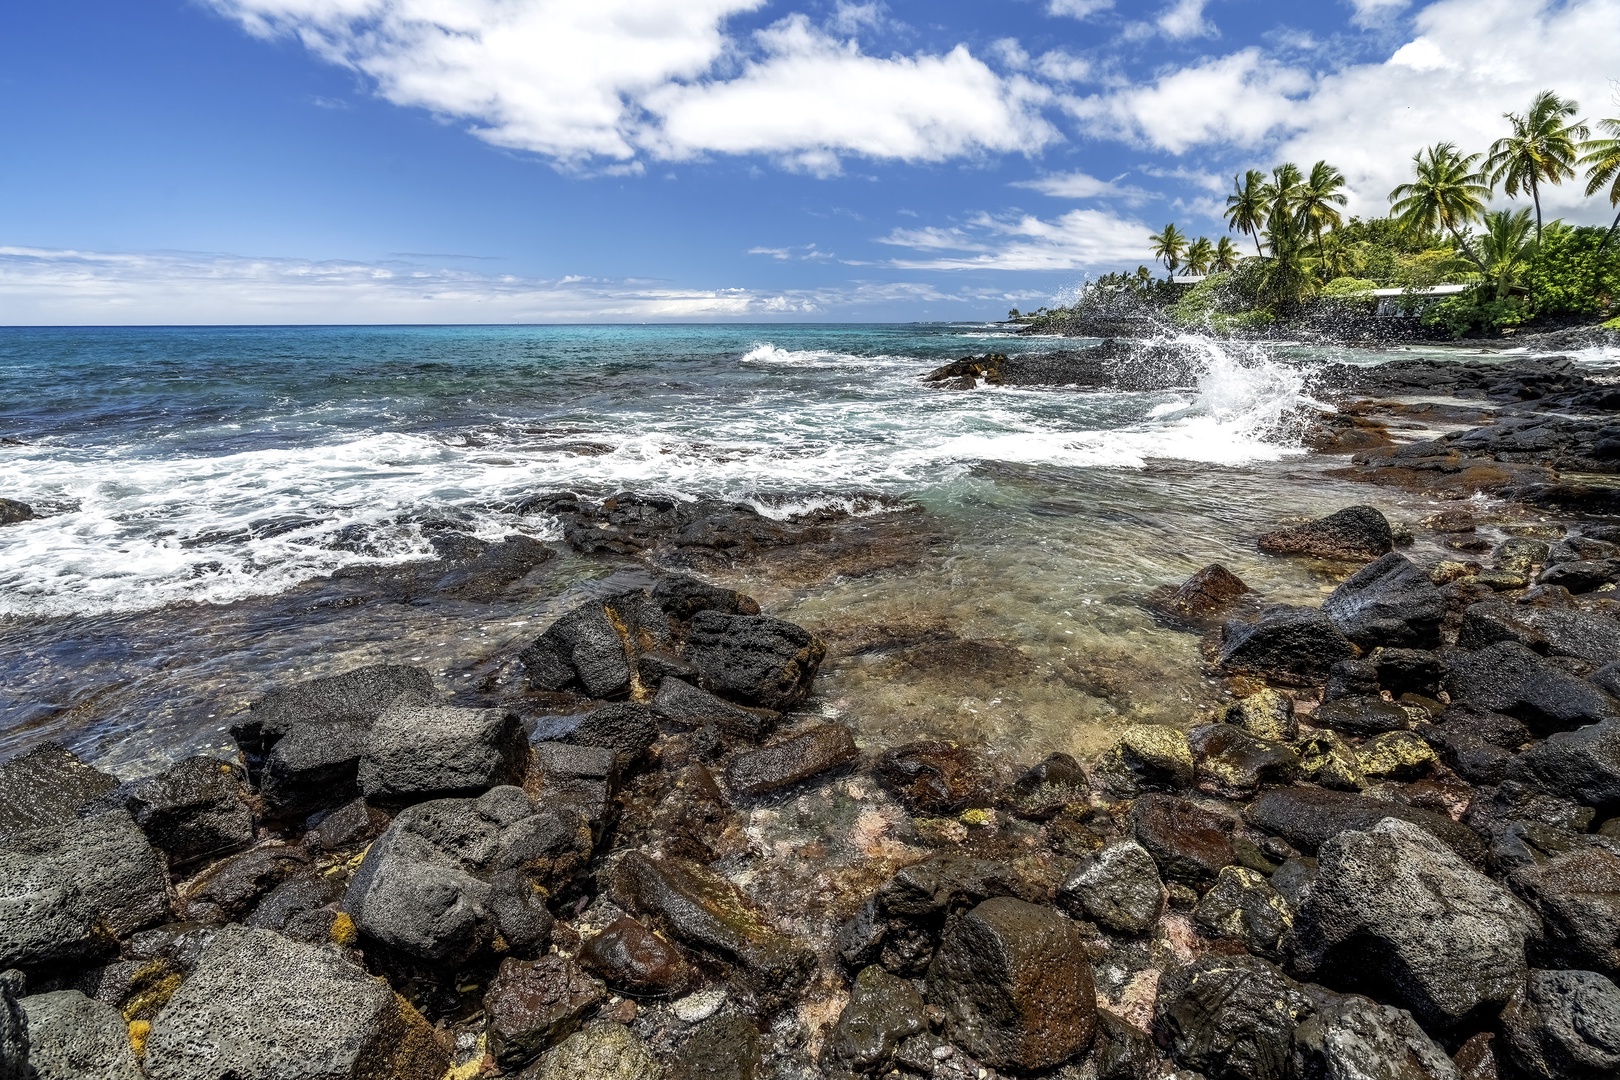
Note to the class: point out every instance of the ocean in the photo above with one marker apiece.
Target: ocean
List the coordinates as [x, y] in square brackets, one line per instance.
[196, 486]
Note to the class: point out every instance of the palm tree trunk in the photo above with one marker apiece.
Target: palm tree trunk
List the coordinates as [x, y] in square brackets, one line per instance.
[1535, 195]
[1466, 250]
[1255, 235]
[1609, 235]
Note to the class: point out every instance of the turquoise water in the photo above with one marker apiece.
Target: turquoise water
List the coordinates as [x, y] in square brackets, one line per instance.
[198, 486]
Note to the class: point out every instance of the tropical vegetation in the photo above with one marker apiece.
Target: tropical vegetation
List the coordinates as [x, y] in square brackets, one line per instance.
[1443, 227]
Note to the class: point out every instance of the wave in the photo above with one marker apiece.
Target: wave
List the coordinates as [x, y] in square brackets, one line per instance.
[136, 526]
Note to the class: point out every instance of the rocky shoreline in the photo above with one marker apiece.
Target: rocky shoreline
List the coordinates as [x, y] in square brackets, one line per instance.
[1395, 855]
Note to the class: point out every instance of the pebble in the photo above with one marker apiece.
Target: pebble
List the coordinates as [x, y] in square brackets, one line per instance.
[699, 1006]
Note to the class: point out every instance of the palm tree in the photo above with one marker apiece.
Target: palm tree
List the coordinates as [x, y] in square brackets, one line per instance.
[1446, 193]
[1505, 246]
[1319, 200]
[1602, 161]
[1143, 276]
[1246, 206]
[1168, 247]
[1199, 255]
[1225, 257]
[1542, 149]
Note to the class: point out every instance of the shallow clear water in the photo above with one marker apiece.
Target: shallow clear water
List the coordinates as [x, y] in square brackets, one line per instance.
[196, 484]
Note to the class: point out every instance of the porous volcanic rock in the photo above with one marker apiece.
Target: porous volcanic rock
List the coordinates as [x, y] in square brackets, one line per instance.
[754, 659]
[1564, 1025]
[418, 752]
[1354, 534]
[1291, 646]
[937, 777]
[71, 1037]
[792, 760]
[1230, 1018]
[1388, 602]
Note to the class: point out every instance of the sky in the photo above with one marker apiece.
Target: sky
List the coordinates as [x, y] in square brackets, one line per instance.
[490, 161]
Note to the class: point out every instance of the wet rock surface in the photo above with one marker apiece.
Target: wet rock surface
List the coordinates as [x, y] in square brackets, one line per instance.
[1357, 533]
[1564, 1024]
[1230, 1018]
[792, 760]
[1015, 986]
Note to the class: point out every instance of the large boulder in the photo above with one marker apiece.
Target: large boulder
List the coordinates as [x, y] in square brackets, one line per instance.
[451, 874]
[1354, 534]
[1119, 888]
[1508, 678]
[627, 728]
[13, 1027]
[1395, 912]
[71, 1037]
[1230, 1018]
[1353, 1038]
[66, 892]
[1309, 817]
[1577, 895]
[1582, 766]
[708, 913]
[261, 1007]
[193, 810]
[1014, 983]
[417, 752]
[597, 646]
[1554, 631]
[1388, 602]
[303, 743]
[1292, 646]
[48, 785]
[754, 659]
[1564, 1025]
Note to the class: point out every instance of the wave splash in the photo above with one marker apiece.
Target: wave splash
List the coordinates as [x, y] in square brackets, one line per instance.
[137, 526]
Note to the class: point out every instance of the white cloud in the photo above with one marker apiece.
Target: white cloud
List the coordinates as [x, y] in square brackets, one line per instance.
[1079, 185]
[1185, 19]
[1079, 9]
[613, 80]
[1077, 240]
[812, 98]
[1464, 65]
[1237, 99]
[1371, 13]
[42, 287]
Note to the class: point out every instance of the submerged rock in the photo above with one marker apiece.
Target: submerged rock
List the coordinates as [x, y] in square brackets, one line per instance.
[1044, 790]
[1356, 533]
[1396, 912]
[721, 1048]
[1292, 646]
[1015, 985]
[71, 1037]
[1205, 594]
[792, 760]
[937, 778]
[260, 1007]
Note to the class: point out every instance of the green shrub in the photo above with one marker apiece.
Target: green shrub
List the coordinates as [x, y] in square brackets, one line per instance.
[1568, 277]
[1475, 312]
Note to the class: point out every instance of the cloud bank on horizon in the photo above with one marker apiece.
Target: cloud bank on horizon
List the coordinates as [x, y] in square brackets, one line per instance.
[1069, 132]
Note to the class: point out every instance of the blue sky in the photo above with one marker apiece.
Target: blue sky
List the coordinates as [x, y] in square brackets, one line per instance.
[624, 160]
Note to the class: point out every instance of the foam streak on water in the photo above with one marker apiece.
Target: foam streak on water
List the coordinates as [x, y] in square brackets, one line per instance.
[210, 466]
